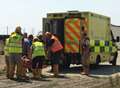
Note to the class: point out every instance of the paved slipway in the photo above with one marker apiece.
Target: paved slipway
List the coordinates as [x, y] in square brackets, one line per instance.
[104, 76]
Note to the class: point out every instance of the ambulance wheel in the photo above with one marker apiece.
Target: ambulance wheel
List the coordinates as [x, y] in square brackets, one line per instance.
[114, 61]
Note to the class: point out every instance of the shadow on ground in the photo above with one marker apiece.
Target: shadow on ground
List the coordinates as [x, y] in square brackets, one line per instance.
[95, 70]
[105, 70]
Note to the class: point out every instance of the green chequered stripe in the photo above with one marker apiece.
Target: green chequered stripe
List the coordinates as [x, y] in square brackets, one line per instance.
[101, 46]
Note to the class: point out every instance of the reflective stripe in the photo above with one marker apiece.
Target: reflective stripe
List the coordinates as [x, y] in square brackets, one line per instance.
[72, 35]
[97, 49]
[114, 49]
[107, 49]
[102, 46]
[111, 44]
[38, 49]
[92, 43]
[102, 43]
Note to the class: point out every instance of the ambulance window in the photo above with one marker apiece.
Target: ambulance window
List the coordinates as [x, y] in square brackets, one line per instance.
[55, 27]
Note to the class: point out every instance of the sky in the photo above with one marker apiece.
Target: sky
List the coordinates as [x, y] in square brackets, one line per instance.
[29, 13]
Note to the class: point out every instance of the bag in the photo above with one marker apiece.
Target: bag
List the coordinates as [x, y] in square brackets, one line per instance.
[26, 62]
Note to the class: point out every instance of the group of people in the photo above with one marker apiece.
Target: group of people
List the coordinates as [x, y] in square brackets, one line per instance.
[27, 53]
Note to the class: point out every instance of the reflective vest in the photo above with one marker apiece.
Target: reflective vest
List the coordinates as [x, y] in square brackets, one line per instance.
[56, 46]
[38, 49]
[15, 43]
[6, 48]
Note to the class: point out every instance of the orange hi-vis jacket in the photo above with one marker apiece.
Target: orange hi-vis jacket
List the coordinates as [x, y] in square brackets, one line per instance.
[56, 46]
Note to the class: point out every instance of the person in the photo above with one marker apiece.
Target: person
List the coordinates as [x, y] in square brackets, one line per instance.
[6, 53]
[25, 55]
[55, 48]
[15, 53]
[85, 54]
[30, 39]
[38, 55]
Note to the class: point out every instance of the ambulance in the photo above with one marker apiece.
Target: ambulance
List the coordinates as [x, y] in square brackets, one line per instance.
[68, 26]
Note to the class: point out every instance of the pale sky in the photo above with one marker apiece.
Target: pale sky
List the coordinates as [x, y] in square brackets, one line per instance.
[29, 13]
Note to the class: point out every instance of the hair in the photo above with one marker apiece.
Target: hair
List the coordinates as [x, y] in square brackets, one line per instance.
[48, 34]
[30, 36]
[85, 34]
[35, 39]
[40, 37]
[25, 35]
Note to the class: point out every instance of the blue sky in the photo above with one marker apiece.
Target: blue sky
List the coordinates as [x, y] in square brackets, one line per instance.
[29, 13]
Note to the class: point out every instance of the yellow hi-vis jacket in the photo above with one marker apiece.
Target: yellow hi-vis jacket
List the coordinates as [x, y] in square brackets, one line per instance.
[38, 49]
[15, 43]
[6, 48]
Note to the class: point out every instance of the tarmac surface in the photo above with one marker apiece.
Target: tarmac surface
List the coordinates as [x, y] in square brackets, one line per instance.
[103, 76]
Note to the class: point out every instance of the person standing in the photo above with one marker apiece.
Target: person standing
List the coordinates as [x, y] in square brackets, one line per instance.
[38, 55]
[15, 53]
[30, 39]
[25, 56]
[55, 48]
[6, 53]
[85, 54]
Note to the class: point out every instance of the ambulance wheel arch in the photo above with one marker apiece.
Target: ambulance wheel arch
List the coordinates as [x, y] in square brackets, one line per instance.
[96, 58]
[113, 58]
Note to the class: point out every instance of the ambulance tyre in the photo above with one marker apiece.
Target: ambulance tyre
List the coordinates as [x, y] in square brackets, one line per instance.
[113, 62]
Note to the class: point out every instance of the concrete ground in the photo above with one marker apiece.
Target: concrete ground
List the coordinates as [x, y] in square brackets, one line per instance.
[106, 75]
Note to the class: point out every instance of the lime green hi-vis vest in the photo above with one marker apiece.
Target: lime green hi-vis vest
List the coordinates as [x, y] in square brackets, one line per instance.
[98, 46]
[6, 48]
[38, 49]
[15, 43]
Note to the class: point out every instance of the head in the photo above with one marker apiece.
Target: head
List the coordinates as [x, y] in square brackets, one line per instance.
[35, 39]
[40, 37]
[48, 35]
[83, 29]
[25, 35]
[85, 36]
[30, 37]
[18, 30]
